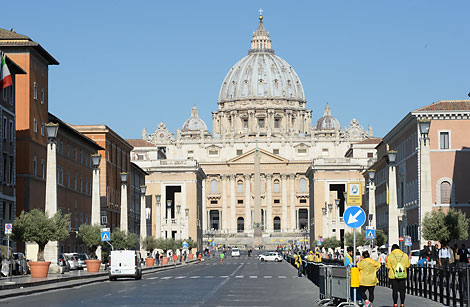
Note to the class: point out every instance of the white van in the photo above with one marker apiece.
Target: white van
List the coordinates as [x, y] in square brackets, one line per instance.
[125, 263]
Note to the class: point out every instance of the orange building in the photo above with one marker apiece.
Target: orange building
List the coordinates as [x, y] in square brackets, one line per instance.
[115, 159]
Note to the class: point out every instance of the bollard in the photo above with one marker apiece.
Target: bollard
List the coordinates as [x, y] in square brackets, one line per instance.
[354, 278]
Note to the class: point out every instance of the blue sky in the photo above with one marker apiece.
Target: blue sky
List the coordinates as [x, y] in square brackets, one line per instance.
[134, 64]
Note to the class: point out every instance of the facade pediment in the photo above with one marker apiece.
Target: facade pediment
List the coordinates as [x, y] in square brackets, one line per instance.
[265, 157]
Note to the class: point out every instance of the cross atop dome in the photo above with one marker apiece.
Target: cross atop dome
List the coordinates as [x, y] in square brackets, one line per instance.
[261, 43]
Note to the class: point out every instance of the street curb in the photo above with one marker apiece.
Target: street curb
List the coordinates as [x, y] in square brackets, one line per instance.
[94, 278]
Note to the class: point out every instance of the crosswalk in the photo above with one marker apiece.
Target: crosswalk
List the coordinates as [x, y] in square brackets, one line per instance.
[221, 277]
[228, 263]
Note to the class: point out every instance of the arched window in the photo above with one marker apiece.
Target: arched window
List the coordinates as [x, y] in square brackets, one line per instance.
[446, 190]
[240, 224]
[214, 219]
[277, 188]
[303, 185]
[240, 186]
[214, 186]
[277, 223]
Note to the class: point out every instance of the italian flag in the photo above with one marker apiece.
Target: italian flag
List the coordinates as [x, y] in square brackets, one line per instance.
[5, 73]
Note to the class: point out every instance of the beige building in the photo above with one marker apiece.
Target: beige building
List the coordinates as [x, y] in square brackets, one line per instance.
[261, 106]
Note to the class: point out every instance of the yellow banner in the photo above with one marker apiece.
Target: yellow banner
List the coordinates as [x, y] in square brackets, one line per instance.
[354, 197]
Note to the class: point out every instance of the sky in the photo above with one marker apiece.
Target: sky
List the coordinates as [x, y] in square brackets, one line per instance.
[133, 64]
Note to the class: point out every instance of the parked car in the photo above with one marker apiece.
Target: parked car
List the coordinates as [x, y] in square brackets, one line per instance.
[81, 260]
[20, 265]
[71, 260]
[64, 263]
[235, 252]
[270, 256]
[414, 256]
[125, 263]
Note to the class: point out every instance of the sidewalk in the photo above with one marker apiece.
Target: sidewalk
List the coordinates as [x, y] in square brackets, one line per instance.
[24, 285]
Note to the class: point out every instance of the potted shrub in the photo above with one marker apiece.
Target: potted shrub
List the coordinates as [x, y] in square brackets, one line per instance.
[123, 240]
[91, 236]
[149, 244]
[35, 226]
[165, 245]
[191, 244]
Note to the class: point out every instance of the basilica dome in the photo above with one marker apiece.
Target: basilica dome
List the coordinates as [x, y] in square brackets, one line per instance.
[194, 123]
[327, 121]
[261, 74]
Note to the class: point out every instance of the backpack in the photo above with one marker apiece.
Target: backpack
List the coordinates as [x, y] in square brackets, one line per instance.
[399, 270]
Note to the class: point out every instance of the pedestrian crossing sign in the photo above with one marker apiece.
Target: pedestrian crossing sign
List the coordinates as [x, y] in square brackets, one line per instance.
[105, 234]
[370, 234]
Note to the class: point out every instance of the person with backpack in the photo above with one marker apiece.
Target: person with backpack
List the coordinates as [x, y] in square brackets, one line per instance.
[397, 264]
[367, 277]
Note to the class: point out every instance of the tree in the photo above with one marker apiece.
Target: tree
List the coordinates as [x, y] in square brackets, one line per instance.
[331, 243]
[380, 237]
[35, 226]
[123, 240]
[445, 226]
[360, 238]
[149, 244]
[91, 236]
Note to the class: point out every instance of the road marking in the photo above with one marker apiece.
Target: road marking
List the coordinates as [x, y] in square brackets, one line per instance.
[194, 277]
[153, 283]
[121, 291]
[180, 277]
[152, 278]
[239, 276]
[108, 294]
[253, 276]
[166, 277]
[208, 276]
[281, 277]
[224, 276]
[267, 276]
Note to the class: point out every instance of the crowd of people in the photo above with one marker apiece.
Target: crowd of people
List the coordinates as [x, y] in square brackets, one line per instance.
[443, 256]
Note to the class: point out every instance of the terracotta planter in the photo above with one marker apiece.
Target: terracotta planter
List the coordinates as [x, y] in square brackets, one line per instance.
[39, 269]
[149, 261]
[93, 265]
[165, 260]
[190, 256]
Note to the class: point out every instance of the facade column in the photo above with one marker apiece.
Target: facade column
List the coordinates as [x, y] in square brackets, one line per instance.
[51, 251]
[293, 224]
[283, 203]
[269, 203]
[372, 204]
[224, 227]
[205, 224]
[247, 204]
[143, 218]
[425, 190]
[233, 211]
[392, 206]
[124, 224]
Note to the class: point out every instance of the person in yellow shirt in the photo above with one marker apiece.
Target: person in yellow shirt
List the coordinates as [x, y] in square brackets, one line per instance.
[397, 264]
[310, 257]
[367, 277]
[299, 264]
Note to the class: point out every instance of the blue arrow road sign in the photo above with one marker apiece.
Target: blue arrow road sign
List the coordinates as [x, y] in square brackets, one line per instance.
[354, 217]
[370, 234]
[106, 235]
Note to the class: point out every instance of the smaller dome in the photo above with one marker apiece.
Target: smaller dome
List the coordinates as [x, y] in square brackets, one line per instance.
[328, 122]
[194, 123]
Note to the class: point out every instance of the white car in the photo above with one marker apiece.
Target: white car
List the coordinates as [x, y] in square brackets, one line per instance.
[235, 252]
[125, 263]
[270, 256]
[414, 256]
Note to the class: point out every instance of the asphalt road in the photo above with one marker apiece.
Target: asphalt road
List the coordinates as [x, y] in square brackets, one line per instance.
[237, 282]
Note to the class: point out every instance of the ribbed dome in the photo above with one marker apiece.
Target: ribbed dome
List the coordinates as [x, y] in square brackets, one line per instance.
[261, 74]
[328, 122]
[194, 123]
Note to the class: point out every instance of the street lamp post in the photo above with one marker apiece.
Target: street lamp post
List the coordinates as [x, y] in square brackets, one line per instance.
[169, 223]
[95, 198]
[158, 214]
[393, 231]
[425, 191]
[372, 222]
[51, 251]
[337, 232]
[124, 225]
[178, 221]
[143, 219]
[186, 223]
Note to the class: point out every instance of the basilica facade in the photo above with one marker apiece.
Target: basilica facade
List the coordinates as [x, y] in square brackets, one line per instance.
[203, 184]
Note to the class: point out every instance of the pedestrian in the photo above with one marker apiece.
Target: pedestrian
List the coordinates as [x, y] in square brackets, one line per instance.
[463, 256]
[175, 258]
[435, 255]
[222, 255]
[367, 277]
[157, 258]
[397, 264]
[299, 264]
[348, 260]
[444, 256]
[199, 257]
